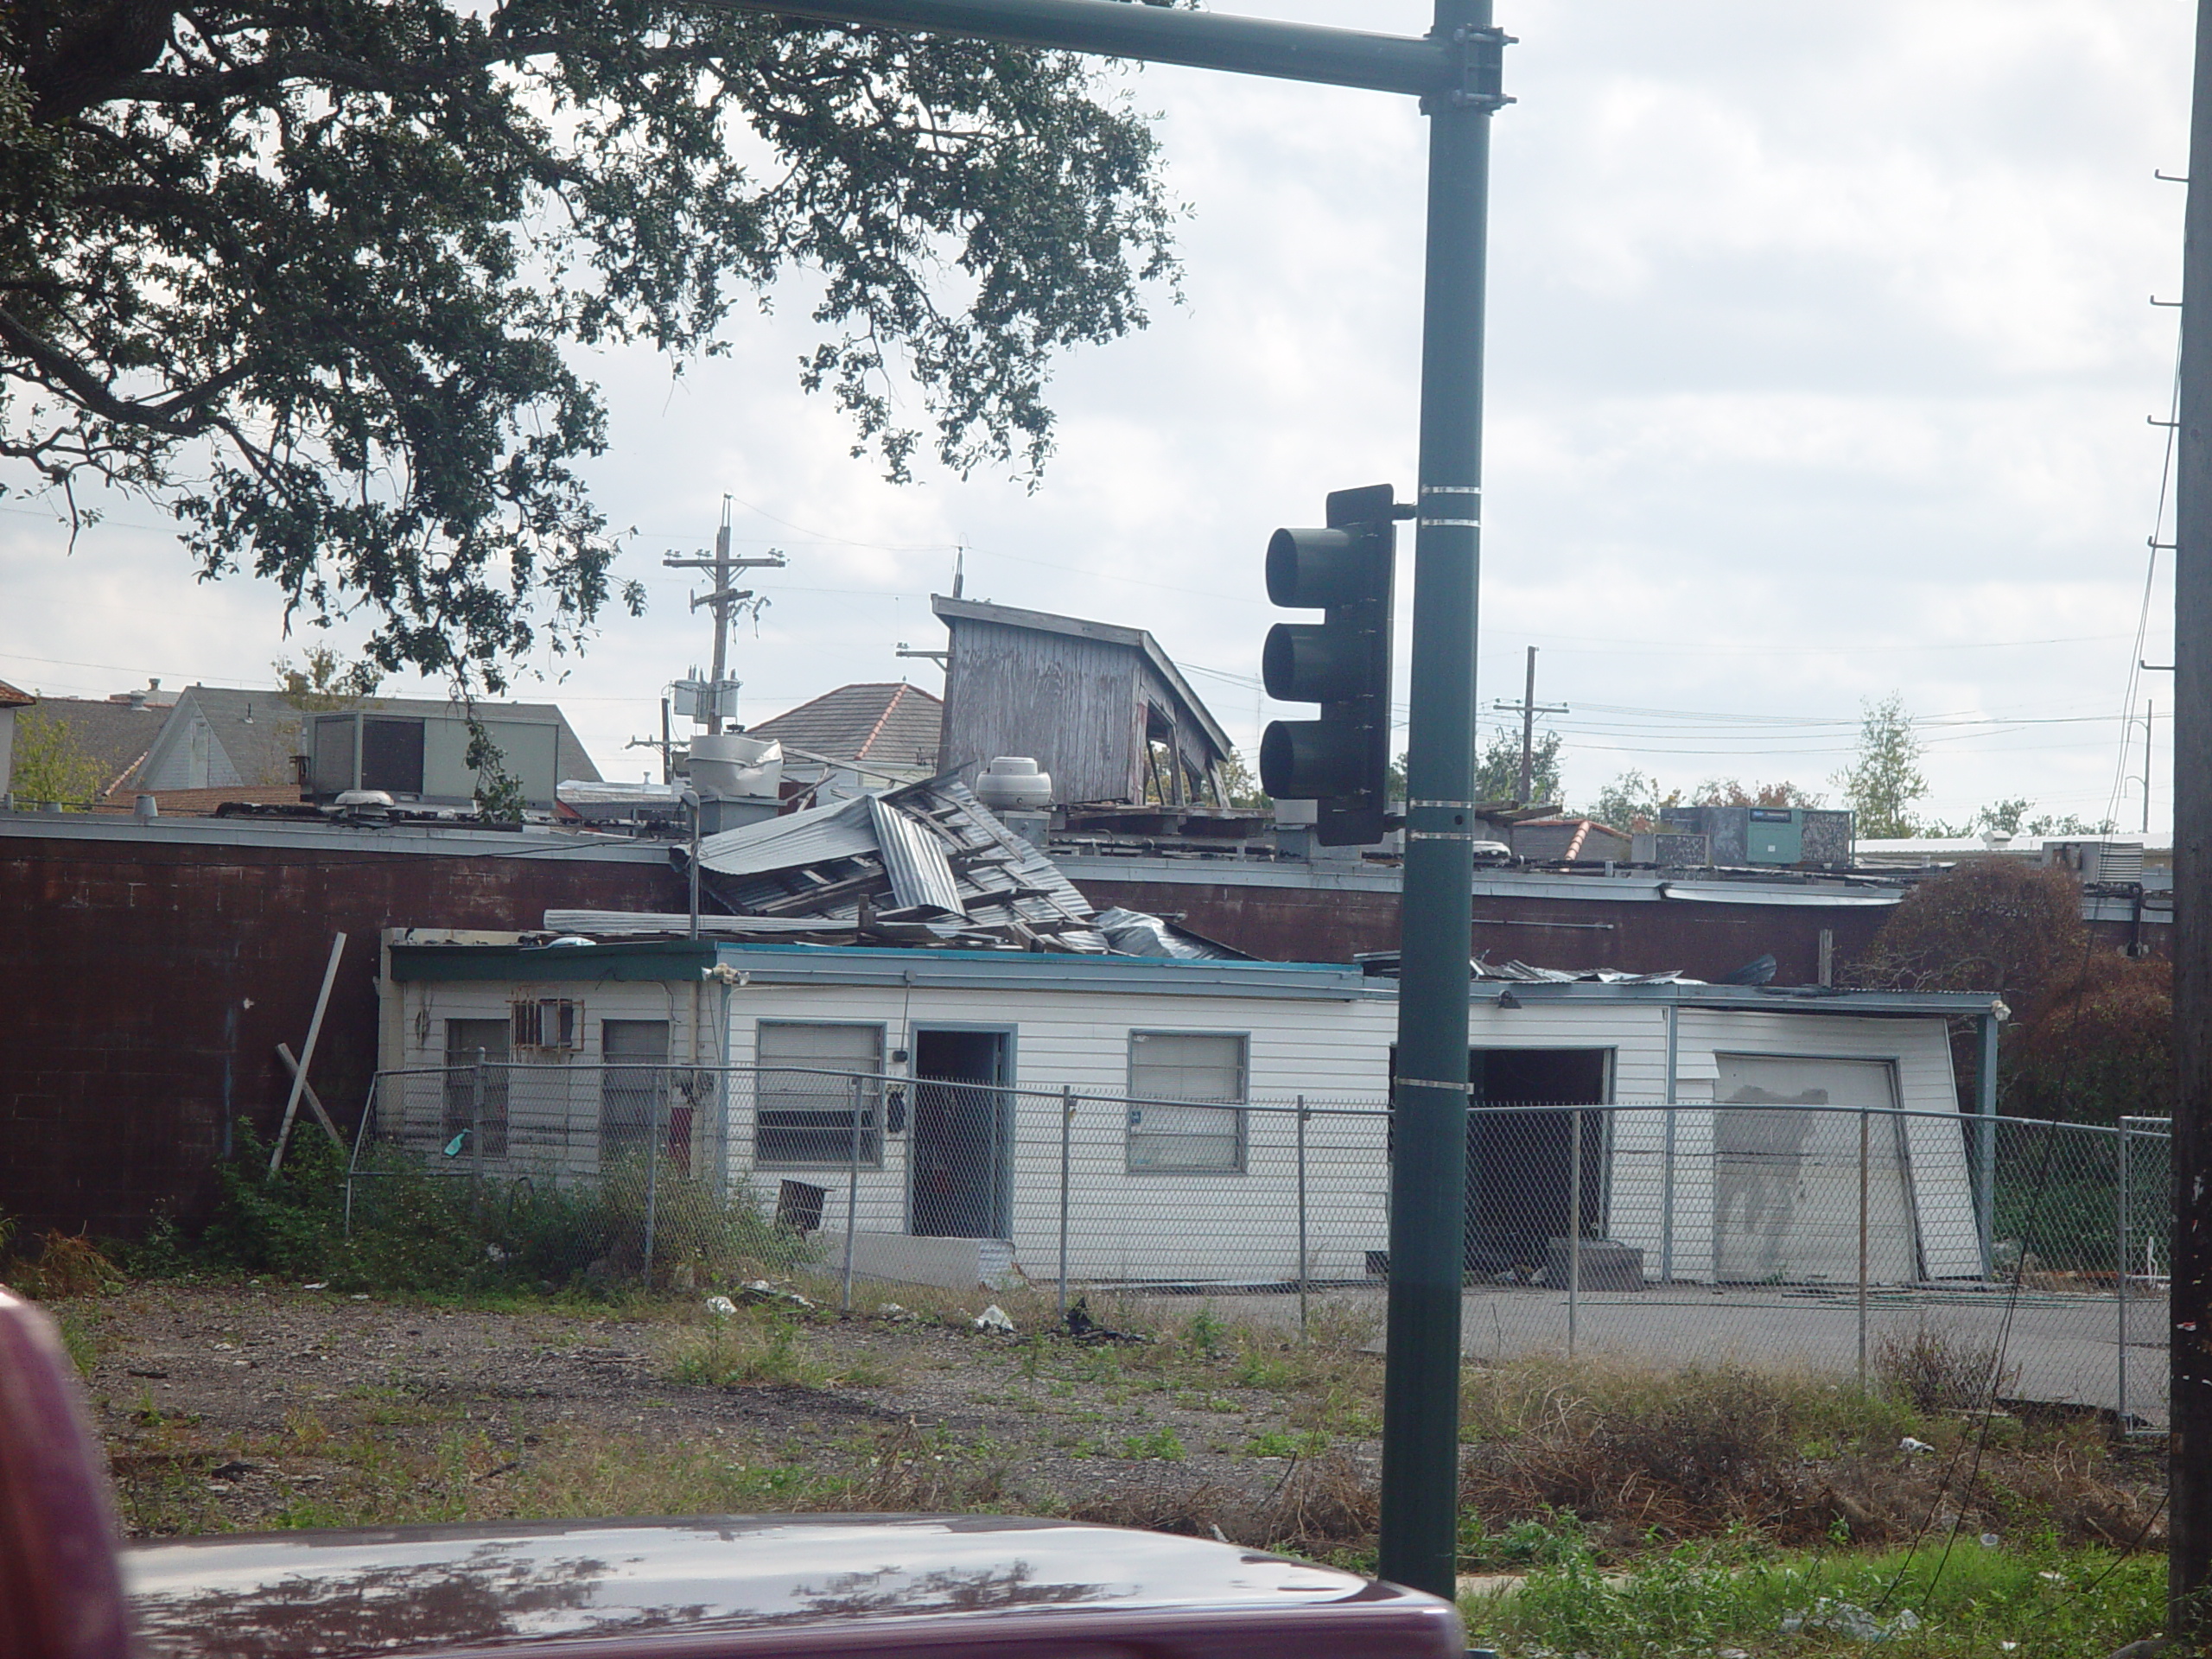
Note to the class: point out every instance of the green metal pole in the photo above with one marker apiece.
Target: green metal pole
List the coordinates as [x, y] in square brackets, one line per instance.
[1420, 1396]
[2188, 1457]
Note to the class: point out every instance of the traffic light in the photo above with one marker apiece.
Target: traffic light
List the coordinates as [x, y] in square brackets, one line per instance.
[1342, 760]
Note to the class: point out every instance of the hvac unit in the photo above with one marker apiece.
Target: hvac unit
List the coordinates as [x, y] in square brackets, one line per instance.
[1675, 849]
[2097, 860]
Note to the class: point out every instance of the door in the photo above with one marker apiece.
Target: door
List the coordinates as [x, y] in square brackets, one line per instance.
[1786, 1184]
[1521, 1163]
[959, 1154]
[633, 1057]
[475, 1122]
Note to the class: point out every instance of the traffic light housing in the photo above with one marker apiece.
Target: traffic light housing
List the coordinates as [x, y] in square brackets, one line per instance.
[1342, 760]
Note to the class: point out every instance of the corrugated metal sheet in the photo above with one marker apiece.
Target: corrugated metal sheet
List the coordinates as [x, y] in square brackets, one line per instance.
[817, 835]
[921, 875]
[925, 864]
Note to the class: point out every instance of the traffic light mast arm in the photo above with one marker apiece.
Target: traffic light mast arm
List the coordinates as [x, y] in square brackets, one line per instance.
[1199, 40]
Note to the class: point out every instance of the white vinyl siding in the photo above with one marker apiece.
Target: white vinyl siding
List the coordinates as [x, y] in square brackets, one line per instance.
[803, 1118]
[1187, 1065]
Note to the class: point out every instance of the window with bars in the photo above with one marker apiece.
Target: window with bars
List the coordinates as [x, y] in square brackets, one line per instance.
[553, 1023]
[1175, 1079]
[803, 1097]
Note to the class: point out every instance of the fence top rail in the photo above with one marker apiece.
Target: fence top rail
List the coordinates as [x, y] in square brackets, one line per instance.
[1278, 1102]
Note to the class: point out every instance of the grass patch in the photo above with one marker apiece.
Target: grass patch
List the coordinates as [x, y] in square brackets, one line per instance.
[734, 1353]
[2048, 1602]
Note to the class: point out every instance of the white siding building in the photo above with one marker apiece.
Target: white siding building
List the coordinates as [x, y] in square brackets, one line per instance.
[1181, 1084]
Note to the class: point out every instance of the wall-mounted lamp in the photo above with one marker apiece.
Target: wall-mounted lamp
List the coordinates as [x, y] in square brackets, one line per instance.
[1507, 999]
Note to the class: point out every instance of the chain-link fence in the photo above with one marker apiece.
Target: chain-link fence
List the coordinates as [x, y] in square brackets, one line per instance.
[1848, 1240]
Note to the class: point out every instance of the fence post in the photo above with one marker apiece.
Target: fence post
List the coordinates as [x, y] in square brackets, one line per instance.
[1865, 1148]
[1301, 1218]
[1067, 1134]
[1667, 1150]
[2121, 1279]
[1574, 1234]
[852, 1197]
[1985, 1087]
[652, 1163]
[476, 1123]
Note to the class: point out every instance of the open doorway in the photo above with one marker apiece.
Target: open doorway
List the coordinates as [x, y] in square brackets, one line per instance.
[1521, 1164]
[958, 1154]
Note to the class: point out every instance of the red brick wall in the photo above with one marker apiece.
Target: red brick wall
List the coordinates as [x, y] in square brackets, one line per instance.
[146, 986]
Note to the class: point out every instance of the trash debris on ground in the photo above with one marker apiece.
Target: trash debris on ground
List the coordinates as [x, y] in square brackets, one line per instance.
[994, 1318]
[1083, 1328]
[758, 1291]
[1846, 1619]
[1908, 1444]
[721, 1304]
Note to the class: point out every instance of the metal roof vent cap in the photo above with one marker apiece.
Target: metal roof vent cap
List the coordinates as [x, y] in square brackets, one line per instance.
[1997, 840]
[1012, 782]
[364, 804]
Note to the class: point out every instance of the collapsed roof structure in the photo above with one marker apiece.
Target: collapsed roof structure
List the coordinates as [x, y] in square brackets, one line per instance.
[926, 865]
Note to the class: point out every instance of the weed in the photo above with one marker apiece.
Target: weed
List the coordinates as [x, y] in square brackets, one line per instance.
[1205, 1332]
[1276, 1443]
[729, 1354]
[1934, 1370]
[1162, 1443]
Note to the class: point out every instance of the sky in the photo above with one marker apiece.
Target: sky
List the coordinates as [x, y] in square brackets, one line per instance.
[1822, 361]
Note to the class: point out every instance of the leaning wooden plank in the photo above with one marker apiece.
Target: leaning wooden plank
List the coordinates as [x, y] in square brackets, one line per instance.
[307, 1055]
[315, 1105]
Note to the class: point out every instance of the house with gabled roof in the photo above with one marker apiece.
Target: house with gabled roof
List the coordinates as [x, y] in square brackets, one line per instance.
[858, 737]
[11, 699]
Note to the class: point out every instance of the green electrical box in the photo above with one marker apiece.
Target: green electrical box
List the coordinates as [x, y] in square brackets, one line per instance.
[1776, 834]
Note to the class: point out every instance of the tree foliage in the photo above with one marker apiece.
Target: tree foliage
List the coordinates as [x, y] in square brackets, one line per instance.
[325, 682]
[315, 276]
[1636, 801]
[1884, 778]
[50, 765]
[2101, 1047]
[1996, 924]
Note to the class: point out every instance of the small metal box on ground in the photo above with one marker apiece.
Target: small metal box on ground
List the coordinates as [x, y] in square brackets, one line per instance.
[1606, 1265]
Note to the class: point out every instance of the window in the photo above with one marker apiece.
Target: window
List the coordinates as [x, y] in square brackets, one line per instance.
[803, 1103]
[1193, 1066]
[632, 1086]
[551, 1022]
[479, 1124]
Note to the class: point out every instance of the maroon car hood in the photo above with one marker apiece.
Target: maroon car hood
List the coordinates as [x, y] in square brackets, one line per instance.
[858, 1582]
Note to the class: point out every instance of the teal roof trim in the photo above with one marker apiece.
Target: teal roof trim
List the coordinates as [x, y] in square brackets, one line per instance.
[644, 960]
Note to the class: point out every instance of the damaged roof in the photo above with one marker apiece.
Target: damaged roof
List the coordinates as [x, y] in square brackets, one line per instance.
[925, 864]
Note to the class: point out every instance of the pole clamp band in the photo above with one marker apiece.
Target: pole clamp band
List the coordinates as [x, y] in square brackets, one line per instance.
[1445, 835]
[1431, 1083]
[1449, 806]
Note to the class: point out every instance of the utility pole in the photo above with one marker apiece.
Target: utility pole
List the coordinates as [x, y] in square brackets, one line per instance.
[1527, 709]
[722, 601]
[2188, 1461]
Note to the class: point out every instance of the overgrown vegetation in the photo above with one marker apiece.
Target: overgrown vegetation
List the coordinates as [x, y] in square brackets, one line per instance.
[1740, 1597]
[420, 1232]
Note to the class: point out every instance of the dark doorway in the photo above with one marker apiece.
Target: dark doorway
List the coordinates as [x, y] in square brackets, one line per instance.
[1520, 1164]
[957, 1151]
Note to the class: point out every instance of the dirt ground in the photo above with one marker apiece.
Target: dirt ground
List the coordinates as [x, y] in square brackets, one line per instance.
[228, 1407]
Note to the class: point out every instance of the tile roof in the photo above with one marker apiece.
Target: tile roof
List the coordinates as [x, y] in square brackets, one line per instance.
[893, 724]
[12, 698]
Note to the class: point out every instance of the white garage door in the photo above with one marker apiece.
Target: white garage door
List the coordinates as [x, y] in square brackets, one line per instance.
[1786, 1184]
